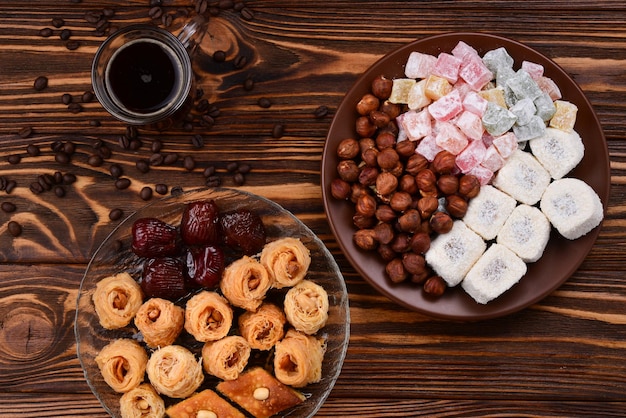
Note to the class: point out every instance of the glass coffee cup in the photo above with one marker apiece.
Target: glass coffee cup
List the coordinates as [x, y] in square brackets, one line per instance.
[142, 74]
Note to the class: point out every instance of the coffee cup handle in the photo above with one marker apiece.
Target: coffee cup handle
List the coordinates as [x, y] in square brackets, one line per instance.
[192, 33]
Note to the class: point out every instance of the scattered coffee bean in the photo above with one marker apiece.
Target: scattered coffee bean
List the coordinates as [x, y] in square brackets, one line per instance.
[69, 147]
[135, 144]
[232, 166]
[104, 152]
[122, 183]
[202, 6]
[65, 34]
[155, 12]
[156, 159]
[320, 112]
[176, 190]
[206, 121]
[219, 56]
[41, 83]
[44, 183]
[189, 163]
[239, 179]
[115, 214]
[203, 105]
[167, 20]
[62, 157]
[95, 160]
[57, 22]
[248, 84]
[92, 17]
[142, 165]
[56, 146]
[59, 191]
[278, 131]
[247, 14]
[225, 4]
[66, 98]
[170, 158]
[209, 171]
[132, 132]
[214, 10]
[238, 5]
[75, 107]
[58, 177]
[72, 45]
[197, 141]
[36, 187]
[48, 179]
[69, 178]
[87, 97]
[240, 61]
[161, 188]
[3, 182]
[14, 228]
[46, 32]
[11, 185]
[116, 170]
[124, 142]
[188, 126]
[213, 181]
[156, 145]
[264, 102]
[14, 159]
[146, 193]
[244, 168]
[33, 150]
[108, 13]
[7, 207]
[25, 132]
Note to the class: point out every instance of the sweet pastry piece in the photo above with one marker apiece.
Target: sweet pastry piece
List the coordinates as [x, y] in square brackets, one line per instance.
[494, 273]
[298, 359]
[174, 371]
[204, 404]
[245, 283]
[572, 207]
[451, 255]
[526, 232]
[227, 357]
[523, 178]
[306, 307]
[260, 393]
[263, 328]
[559, 152]
[142, 402]
[287, 260]
[122, 364]
[117, 299]
[160, 322]
[487, 212]
[208, 316]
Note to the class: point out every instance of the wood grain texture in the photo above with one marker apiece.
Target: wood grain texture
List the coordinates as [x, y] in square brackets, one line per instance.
[564, 356]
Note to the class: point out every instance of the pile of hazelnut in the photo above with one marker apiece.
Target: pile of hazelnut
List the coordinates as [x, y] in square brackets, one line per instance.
[401, 200]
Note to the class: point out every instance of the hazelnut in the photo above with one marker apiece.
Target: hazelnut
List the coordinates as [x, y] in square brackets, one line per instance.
[435, 286]
[400, 201]
[364, 127]
[419, 278]
[367, 104]
[358, 190]
[444, 162]
[366, 205]
[379, 119]
[365, 239]
[384, 213]
[420, 242]
[340, 189]
[415, 164]
[400, 243]
[456, 206]
[385, 140]
[396, 271]
[414, 263]
[469, 186]
[406, 148]
[366, 143]
[387, 158]
[392, 109]
[426, 181]
[363, 222]
[369, 157]
[410, 221]
[392, 127]
[348, 171]
[407, 183]
[441, 222]
[348, 149]
[368, 175]
[386, 183]
[448, 184]
[381, 87]
[427, 206]
[384, 233]
[386, 252]
[398, 169]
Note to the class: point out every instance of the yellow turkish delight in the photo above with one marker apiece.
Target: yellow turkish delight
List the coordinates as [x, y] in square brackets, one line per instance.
[565, 116]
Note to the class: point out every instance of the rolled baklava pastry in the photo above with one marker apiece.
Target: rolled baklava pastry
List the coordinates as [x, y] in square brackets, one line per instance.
[287, 260]
[227, 357]
[174, 371]
[298, 359]
[117, 299]
[263, 328]
[306, 307]
[142, 402]
[208, 316]
[245, 283]
[160, 322]
[122, 364]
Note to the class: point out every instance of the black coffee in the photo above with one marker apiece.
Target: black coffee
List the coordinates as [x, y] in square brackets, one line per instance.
[143, 76]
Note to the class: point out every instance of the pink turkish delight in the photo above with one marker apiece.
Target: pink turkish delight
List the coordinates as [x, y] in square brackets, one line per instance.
[483, 174]
[471, 156]
[419, 65]
[470, 124]
[417, 125]
[475, 103]
[447, 66]
[428, 148]
[505, 144]
[547, 85]
[446, 107]
[535, 70]
[461, 50]
[450, 138]
[492, 160]
[475, 73]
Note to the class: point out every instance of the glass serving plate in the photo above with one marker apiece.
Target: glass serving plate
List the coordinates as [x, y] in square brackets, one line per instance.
[114, 256]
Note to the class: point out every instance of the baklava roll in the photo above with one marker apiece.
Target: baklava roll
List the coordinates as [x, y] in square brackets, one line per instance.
[208, 316]
[245, 283]
[298, 359]
[227, 357]
[287, 260]
[122, 364]
[160, 322]
[263, 328]
[174, 371]
[117, 299]
[142, 402]
[306, 307]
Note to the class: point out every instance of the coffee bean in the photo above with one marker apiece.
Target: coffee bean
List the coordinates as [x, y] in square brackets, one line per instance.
[14, 228]
[232, 166]
[75, 107]
[95, 160]
[240, 61]
[320, 112]
[156, 145]
[69, 147]
[115, 214]
[92, 16]
[161, 188]
[48, 179]
[25, 132]
[57, 22]
[189, 163]
[278, 131]
[176, 190]
[108, 13]
[11, 185]
[239, 179]
[116, 170]
[87, 97]
[7, 207]
[225, 4]
[122, 183]
[214, 10]
[244, 168]
[209, 171]
[197, 141]
[46, 32]
[264, 102]
[207, 121]
[36, 187]
[131, 132]
[170, 158]
[156, 2]
[102, 24]
[72, 45]
[213, 111]
[44, 184]
[14, 159]
[247, 14]
[156, 159]
[146, 193]
[59, 191]
[248, 84]
[167, 20]
[202, 6]
[219, 56]
[142, 165]
[41, 83]
[104, 152]
[69, 178]
[213, 181]
[58, 177]
[124, 142]
[203, 105]
[66, 98]
[56, 146]
[135, 144]
[238, 5]
[155, 12]
[3, 182]
[65, 34]
[62, 157]
[33, 150]
[188, 126]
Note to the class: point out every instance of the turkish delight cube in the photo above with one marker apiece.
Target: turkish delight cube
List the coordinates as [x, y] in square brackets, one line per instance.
[536, 127]
[494, 95]
[417, 96]
[506, 144]
[558, 151]
[565, 116]
[437, 87]
[523, 178]
[487, 212]
[533, 69]
[475, 73]
[428, 147]
[523, 86]
[497, 59]
[447, 66]
[471, 156]
[461, 50]
[475, 103]
[419, 65]
[450, 138]
[498, 120]
[524, 110]
[470, 124]
[492, 159]
[483, 174]
[400, 90]
[446, 107]
[545, 107]
[416, 124]
[547, 85]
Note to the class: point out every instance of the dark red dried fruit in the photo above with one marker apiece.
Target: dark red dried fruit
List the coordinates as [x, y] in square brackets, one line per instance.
[243, 231]
[164, 278]
[152, 237]
[205, 265]
[200, 224]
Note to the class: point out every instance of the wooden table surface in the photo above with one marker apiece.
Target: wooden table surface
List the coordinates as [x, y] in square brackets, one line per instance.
[564, 356]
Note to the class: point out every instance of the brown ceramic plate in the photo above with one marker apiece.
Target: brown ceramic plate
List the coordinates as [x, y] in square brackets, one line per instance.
[561, 258]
